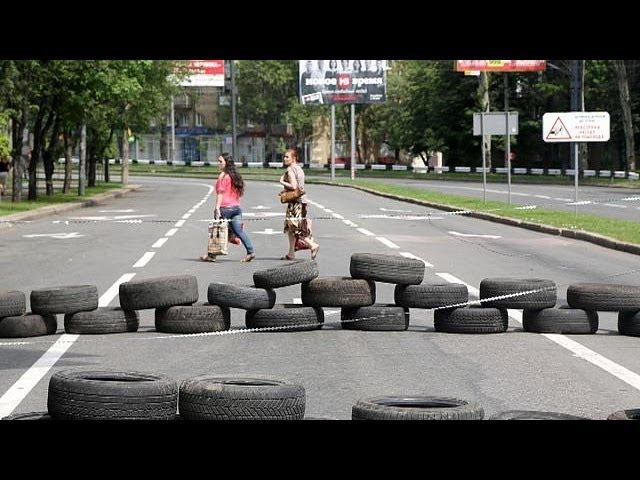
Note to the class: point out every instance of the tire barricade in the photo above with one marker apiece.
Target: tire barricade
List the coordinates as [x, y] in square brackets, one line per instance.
[174, 300]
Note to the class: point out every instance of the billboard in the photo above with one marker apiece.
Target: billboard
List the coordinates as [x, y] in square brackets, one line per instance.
[501, 65]
[326, 82]
[205, 73]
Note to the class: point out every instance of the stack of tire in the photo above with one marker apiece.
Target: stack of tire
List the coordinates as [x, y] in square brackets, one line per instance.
[78, 303]
[599, 297]
[259, 299]
[174, 300]
[113, 395]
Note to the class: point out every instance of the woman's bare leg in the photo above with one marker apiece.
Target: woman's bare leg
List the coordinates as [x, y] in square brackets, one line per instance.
[292, 244]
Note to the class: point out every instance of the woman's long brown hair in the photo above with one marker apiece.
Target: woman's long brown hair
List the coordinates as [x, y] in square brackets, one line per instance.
[230, 169]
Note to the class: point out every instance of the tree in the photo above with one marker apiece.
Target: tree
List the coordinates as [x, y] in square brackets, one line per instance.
[627, 120]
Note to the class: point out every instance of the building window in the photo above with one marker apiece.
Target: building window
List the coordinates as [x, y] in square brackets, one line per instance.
[199, 120]
[184, 120]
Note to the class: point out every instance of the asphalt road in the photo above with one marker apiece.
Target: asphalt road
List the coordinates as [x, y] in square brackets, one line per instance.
[621, 203]
[589, 375]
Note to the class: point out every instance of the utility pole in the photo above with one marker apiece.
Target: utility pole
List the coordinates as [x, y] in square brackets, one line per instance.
[82, 159]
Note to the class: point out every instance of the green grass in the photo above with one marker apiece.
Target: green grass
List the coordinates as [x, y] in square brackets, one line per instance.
[251, 173]
[8, 207]
[624, 230]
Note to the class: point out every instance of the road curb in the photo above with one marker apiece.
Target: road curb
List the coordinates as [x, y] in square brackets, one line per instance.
[583, 235]
[52, 209]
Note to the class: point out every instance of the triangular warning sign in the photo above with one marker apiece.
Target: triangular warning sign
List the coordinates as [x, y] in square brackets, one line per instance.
[558, 131]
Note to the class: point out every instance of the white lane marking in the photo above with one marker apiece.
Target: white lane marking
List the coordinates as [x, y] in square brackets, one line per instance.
[458, 234]
[144, 259]
[584, 202]
[394, 210]
[260, 207]
[19, 390]
[401, 217]
[337, 215]
[349, 223]
[629, 199]
[316, 204]
[179, 223]
[614, 205]
[328, 210]
[269, 231]
[579, 350]
[192, 210]
[185, 216]
[60, 236]
[130, 210]
[365, 232]
[159, 243]
[563, 199]
[543, 196]
[411, 255]
[297, 300]
[386, 242]
[171, 232]
[596, 359]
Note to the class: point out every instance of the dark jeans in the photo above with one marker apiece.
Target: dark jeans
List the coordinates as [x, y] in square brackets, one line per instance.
[234, 215]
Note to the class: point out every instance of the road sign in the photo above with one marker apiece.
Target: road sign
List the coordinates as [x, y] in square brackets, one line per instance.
[501, 65]
[495, 123]
[575, 127]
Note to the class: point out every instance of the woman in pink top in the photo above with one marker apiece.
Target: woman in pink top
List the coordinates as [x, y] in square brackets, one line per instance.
[229, 189]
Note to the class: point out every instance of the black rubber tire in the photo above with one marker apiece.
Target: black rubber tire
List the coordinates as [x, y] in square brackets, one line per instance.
[432, 295]
[416, 408]
[534, 415]
[387, 268]
[43, 416]
[495, 287]
[604, 297]
[28, 325]
[69, 299]
[104, 395]
[245, 297]
[215, 398]
[560, 320]
[471, 320]
[12, 303]
[629, 323]
[631, 414]
[378, 318]
[299, 317]
[101, 321]
[159, 292]
[338, 292]
[192, 319]
[292, 273]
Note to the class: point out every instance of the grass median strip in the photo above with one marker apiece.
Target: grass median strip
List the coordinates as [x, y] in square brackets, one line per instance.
[7, 207]
[623, 230]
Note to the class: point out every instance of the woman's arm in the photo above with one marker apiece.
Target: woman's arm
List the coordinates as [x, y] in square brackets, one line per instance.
[293, 183]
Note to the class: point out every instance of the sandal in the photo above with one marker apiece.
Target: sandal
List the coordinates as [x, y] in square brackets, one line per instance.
[207, 258]
[314, 252]
[249, 257]
[287, 257]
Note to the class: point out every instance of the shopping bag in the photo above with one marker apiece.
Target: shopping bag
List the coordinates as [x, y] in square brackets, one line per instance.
[218, 238]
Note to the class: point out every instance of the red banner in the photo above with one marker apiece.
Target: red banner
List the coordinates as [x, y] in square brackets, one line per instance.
[205, 73]
[501, 65]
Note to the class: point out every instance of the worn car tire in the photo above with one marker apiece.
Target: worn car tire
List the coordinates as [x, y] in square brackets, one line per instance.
[158, 292]
[193, 319]
[12, 303]
[28, 325]
[101, 321]
[432, 295]
[416, 408]
[376, 318]
[533, 415]
[560, 320]
[43, 416]
[216, 398]
[495, 287]
[68, 299]
[297, 317]
[292, 273]
[604, 297]
[245, 297]
[338, 292]
[104, 395]
[629, 323]
[631, 414]
[387, 268]
[471, 320]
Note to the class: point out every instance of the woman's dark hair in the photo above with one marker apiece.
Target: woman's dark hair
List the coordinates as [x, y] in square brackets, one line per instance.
[230, 169]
